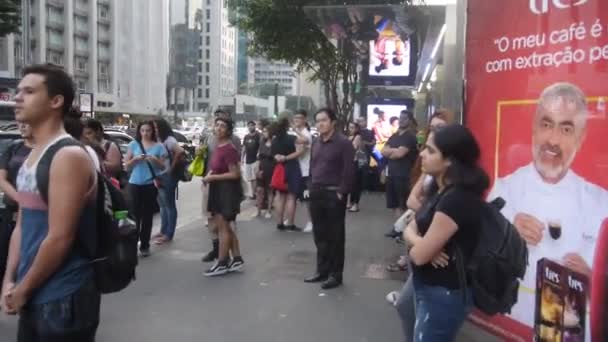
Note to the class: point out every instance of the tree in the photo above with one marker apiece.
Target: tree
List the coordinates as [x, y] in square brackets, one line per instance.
[281, 30]
[10, 16]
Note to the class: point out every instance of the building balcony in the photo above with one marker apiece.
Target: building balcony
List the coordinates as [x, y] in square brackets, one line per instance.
[55, 24]
[81, 73]
[105, 21]
[103, 2]
[59, 47]
[104, 38]
[81, 32]
[56, 3]
[104, 57]
[80, 52]
[82, 11]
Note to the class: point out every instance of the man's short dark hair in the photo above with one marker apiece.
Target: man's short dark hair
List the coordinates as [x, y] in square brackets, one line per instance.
[219, 112]
[251, 122]
[393, 119]
[301, 112]
[94, 125]
[57, 81]
[330, 113]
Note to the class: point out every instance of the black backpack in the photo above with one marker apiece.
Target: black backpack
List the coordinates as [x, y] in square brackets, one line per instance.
[498, 262]
[112, 246]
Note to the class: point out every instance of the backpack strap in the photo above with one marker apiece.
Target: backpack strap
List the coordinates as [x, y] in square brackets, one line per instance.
[44, 165]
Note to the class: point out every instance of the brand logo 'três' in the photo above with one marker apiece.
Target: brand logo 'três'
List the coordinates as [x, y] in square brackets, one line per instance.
[542, 6]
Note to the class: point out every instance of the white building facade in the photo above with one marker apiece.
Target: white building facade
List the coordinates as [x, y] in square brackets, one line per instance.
[115, 49]
[217, 71]
[261, 71]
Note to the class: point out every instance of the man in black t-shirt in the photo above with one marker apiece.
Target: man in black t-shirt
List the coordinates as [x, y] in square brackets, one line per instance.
[251, 142]
[401, 151]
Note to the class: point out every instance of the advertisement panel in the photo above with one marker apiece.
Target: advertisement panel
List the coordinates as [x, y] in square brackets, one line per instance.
[536, 92]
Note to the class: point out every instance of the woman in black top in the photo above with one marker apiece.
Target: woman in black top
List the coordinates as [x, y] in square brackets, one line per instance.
[283, 146]
[264, 192]
[447, 221]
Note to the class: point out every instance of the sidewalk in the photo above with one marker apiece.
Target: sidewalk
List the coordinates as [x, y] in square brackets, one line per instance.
[268, 302]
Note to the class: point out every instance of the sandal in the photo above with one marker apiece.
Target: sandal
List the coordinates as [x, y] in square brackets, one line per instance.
[161, 240]
[396, 267]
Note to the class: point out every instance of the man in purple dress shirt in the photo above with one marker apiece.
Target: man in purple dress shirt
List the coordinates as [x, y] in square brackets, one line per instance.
[332, 174]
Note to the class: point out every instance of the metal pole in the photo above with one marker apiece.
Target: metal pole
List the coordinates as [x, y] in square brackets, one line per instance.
[26, 32]
[298, 105]
[276, 99]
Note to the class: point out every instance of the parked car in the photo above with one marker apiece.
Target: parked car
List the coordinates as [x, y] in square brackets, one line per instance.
[121, 139]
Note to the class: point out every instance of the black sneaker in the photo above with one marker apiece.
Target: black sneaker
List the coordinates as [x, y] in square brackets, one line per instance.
[293, 228]
[209, 257]
[219, 268]
[281, 227]
[236, 264]
[145, 253]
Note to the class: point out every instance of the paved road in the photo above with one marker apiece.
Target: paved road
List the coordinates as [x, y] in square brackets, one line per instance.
[268, 302]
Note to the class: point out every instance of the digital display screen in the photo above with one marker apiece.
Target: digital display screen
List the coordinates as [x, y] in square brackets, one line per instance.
[383, 115]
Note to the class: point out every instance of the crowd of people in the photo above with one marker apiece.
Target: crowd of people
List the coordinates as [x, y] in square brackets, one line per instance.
[45, 272]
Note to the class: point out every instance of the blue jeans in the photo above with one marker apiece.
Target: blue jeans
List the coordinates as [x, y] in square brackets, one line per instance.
[440, 312]
[71, 318]
[407, 309]
[168, 207]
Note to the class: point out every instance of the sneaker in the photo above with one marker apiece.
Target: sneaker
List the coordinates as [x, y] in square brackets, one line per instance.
[293, 228]
[236, 264]
[354, 208]
[308, 228]
[392, 297]
[256, 214]
[144, 253]
[219, 268]
[268, 214]
[281, 227]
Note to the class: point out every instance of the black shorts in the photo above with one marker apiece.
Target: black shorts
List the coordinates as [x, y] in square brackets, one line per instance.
[304, 195]
[397, 191]
[225, 199]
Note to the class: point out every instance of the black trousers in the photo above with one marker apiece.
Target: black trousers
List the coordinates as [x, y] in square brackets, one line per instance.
[359, 184]
[328, 214]
[143, 198]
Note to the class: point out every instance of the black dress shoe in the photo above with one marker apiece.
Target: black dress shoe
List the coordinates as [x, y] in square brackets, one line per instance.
[331, 283]
[317, 278]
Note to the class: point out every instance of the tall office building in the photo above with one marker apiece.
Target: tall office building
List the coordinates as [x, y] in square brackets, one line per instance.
[261, 71]
[217, 69]
[115, 49]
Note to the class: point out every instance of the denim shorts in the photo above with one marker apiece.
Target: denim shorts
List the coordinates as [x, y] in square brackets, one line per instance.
[71, 318]
[440, 312]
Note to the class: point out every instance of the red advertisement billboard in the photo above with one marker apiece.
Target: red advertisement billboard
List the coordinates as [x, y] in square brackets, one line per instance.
[536, 92]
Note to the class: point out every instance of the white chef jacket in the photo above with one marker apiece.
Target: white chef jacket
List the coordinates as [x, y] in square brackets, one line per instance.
[578, 205]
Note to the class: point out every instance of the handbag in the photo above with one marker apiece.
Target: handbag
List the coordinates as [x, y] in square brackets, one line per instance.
[197, 167]
[157, 181]
[278, 180]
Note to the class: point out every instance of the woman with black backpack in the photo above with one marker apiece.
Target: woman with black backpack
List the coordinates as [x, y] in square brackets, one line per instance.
[447, 224]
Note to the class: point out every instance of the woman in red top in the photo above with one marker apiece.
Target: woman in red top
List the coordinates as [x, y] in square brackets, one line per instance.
[225, 194]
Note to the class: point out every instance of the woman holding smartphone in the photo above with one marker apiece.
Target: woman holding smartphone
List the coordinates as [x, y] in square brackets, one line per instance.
[146, 159]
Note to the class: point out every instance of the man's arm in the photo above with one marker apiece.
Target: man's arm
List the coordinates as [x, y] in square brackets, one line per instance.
[348, 168]
[69, 184]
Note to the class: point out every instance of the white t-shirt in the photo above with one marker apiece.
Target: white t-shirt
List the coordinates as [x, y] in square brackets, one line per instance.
[305, 158]
[578, 205]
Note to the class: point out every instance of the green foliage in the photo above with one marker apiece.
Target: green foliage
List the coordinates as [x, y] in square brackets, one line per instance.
[280, 30]
[10, 16]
